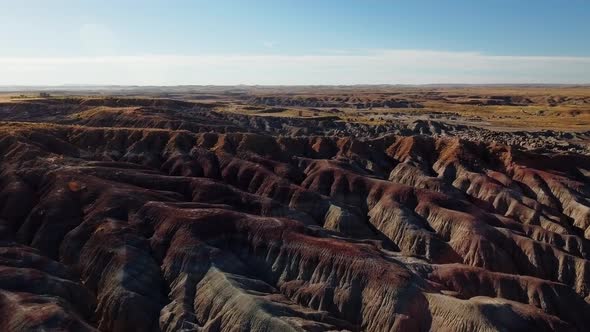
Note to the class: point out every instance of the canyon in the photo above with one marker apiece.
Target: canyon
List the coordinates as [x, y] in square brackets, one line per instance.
[276, 211]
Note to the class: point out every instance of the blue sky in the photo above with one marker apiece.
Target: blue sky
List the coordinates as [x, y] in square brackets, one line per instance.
[294, 42]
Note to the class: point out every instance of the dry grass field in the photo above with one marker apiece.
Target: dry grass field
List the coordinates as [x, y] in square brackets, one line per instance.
[495, 107]
[499, 108]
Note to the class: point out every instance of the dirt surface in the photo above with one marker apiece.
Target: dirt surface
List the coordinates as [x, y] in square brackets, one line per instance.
[296, 209]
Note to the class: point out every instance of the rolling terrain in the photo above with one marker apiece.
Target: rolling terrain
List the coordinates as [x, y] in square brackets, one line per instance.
[296, 209]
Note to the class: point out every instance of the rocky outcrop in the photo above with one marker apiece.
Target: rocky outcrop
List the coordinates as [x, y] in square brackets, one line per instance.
[167, 228]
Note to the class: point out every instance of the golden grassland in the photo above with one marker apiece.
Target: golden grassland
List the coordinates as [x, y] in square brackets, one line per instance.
[509, 117]
[547, 107]
[570, 112]
[527, 117]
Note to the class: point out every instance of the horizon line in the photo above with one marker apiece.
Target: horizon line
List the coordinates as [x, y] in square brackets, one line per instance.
[91, 85]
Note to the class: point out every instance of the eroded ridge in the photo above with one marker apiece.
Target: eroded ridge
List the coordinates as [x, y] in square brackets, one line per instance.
[118, 220]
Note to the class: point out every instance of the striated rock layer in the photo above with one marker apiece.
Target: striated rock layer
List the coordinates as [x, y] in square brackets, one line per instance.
[131, 221]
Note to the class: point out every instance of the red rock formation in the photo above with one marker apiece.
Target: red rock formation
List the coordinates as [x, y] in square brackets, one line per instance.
[147, 229]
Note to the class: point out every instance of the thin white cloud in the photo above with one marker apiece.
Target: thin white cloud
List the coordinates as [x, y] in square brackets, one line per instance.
[372, 67]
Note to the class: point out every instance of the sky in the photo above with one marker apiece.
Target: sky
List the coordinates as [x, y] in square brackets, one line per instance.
[285, 42]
